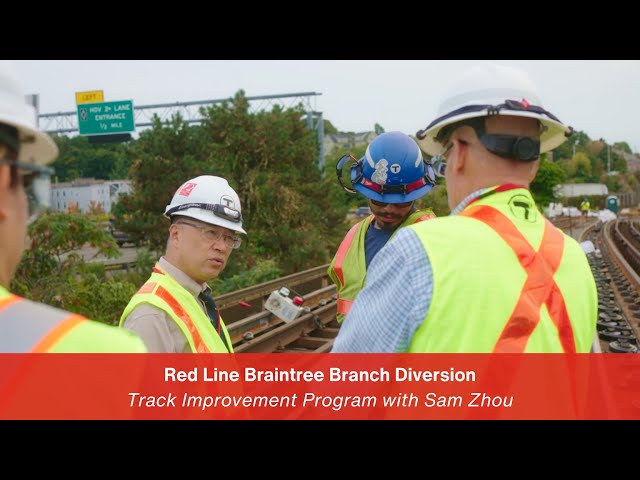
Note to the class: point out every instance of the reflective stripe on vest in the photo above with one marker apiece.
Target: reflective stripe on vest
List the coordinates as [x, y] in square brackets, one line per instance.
[174, 305]
[343, 249]
[27, 326]
[426, 216]
[344, 306]
[539, 288]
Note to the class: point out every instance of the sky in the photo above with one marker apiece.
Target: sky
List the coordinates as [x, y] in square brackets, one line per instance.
[599, 97]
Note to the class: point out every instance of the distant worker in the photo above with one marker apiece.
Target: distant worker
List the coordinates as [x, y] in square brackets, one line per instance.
[392, 175]
[174, 311]
[585, 206]
[27, 326]
[494, 275]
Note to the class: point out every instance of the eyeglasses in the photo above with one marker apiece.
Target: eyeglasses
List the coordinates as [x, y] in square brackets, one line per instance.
[439, 162]
[384, 204]
[36, 184]
[210, 235]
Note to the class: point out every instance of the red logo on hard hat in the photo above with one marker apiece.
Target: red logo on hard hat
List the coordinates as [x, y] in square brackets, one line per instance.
[524, 103]
[186, 189]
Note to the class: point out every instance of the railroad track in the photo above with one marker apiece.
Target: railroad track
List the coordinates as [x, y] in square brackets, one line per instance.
[256, 330]
[616, 273]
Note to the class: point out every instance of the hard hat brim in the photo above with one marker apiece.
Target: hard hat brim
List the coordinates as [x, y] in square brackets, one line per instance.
[394, 197]
[554, 135]
[35, 146]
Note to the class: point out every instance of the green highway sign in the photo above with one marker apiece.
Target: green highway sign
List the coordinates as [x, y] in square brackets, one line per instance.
[105, 118]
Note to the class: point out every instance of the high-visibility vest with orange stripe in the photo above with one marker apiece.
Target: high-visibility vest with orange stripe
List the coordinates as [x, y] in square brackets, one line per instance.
[505, 280]
[348, 268]
[31, 327]
[163, 292]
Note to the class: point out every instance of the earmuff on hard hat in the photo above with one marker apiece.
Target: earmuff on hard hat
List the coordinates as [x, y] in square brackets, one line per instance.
[391, 171]
[514, 147]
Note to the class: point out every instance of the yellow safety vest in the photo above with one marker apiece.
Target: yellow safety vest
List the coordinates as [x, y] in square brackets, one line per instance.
[497, 287]
[31, 327]
[163, 292]
[348, 269]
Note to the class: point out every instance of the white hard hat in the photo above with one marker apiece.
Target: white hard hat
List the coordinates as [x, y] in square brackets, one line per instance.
[35, 146]
[208, 199]
[493, 90]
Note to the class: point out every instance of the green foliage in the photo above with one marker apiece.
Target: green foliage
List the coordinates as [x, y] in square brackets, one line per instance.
[549, 175]
[582, 167]
[613, 183]
[50, 271]
[437, 200]
[169, 149]
[346, 200]
[328, 127]
[80, 159]
[263, 271]
[101, 298]
[618, 163]
[624, 146]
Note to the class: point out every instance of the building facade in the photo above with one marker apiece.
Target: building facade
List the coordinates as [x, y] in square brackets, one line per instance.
[87, 194]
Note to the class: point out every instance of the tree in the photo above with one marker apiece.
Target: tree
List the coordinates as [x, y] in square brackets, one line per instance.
[582, 167]
[80, 159]
[50, 267]
[171, 149]
[268, 157]
[328, 127]
[437, 200]
[624, 146]
[542, 188]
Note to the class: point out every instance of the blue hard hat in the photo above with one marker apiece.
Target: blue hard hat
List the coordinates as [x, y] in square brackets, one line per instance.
[393, 170]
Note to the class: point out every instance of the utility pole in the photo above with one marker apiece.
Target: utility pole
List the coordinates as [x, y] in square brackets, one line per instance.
[608, 159]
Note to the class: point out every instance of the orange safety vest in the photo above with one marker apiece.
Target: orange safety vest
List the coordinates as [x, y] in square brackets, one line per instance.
[27, 326]
[348, 268]
[164, 293]
[31, 327]
[505, 280]
[540, 267]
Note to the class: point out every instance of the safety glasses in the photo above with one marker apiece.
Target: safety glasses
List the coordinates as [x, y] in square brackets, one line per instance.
[36, 181]
[384, 204]
[439, 162]
[211, 235]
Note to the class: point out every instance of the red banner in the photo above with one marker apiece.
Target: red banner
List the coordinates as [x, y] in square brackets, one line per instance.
[319, 386]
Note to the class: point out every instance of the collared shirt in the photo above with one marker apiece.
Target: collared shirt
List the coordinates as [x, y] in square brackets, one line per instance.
[396, 297]
[157, 329]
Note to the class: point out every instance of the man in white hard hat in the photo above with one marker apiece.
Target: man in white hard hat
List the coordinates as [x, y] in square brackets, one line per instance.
[174, 311]
[495, 275]
[27, 326]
